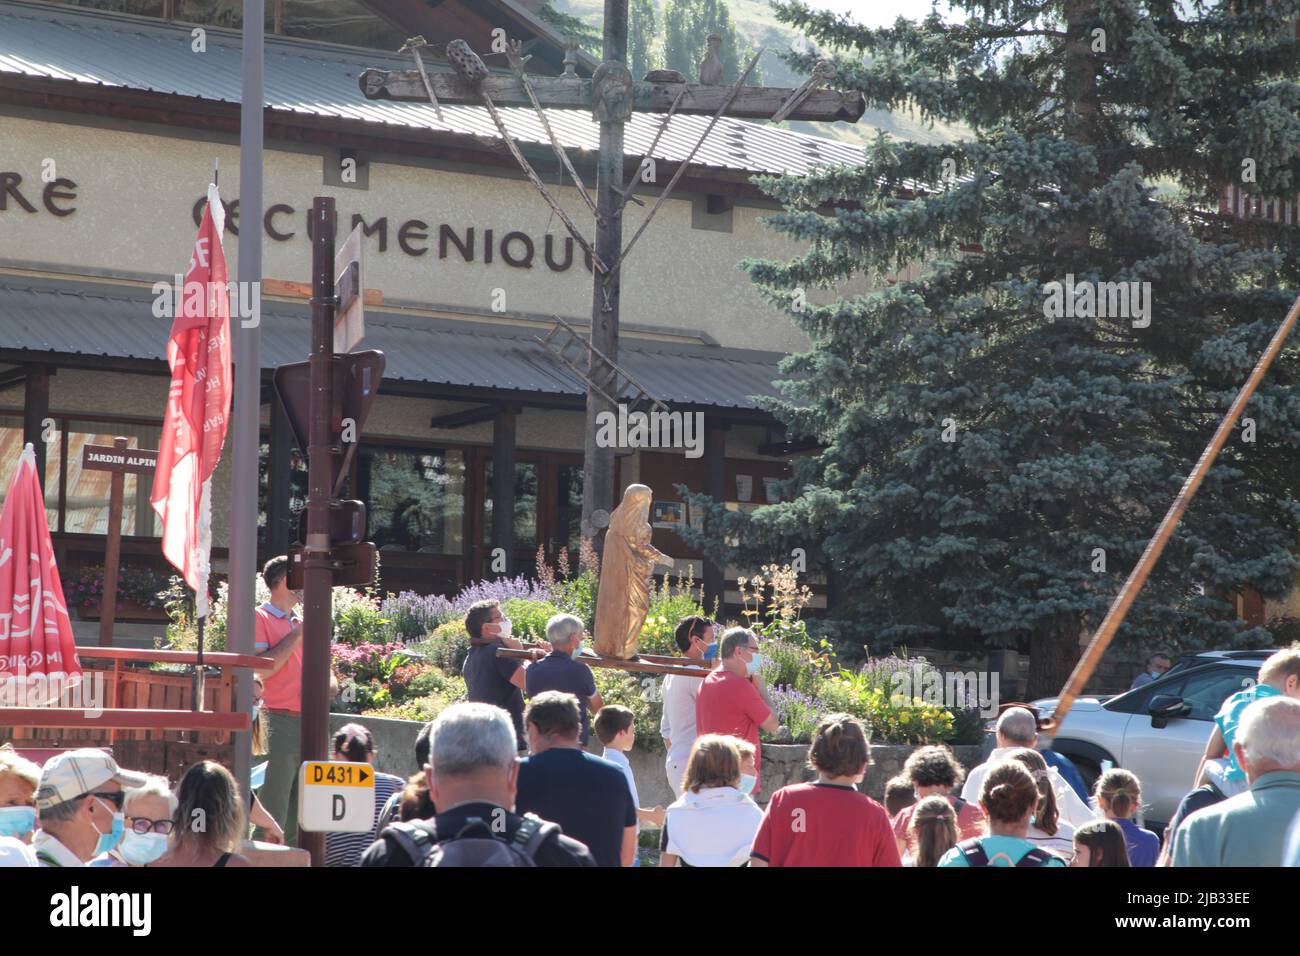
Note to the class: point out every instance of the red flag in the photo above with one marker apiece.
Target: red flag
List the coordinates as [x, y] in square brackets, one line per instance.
[37, 651]
[198, 406]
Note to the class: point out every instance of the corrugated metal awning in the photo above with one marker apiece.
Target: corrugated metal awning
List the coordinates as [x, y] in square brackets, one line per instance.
[118, 322]
[303, 76]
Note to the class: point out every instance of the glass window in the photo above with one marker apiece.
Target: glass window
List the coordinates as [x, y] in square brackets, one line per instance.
[415, 498]
[569, 499]
[11, 447]
[1207, 691]
[297, 488]
[86, 507]
[525, 505]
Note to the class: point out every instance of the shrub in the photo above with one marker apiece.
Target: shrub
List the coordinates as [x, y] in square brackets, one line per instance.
[791, 666]
[528, 618]
[445, 648]
[410, 616]
[639, 694]
[797, 712]
[357, 619]
[423, 709]
[578, 596]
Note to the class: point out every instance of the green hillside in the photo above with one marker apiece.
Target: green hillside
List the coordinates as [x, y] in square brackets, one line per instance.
[758, 26]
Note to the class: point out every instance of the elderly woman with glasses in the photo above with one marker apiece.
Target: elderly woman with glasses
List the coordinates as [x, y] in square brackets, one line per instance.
[149, 811]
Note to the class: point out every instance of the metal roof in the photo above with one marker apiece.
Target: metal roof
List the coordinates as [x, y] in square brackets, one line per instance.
[308, 77]
[74, 318]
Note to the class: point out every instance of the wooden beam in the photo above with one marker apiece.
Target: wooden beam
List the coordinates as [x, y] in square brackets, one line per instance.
[715, 453]
[752, 102]
[113, 718]
[36, 409]
[470, 416]
[288, 289]
[503, 484]
[640, 666]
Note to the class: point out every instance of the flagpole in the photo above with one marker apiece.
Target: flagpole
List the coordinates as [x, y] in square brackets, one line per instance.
[242, 564]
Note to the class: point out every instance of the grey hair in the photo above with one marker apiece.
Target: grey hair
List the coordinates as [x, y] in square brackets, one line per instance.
[1270, 732]
[561, 628]
[60, 812]
[1018, 726]
[469, 737]
[733, 640]
[153, 787]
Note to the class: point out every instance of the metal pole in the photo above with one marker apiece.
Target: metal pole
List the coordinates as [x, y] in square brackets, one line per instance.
[317, 576]
[242, 566]
[598, 463]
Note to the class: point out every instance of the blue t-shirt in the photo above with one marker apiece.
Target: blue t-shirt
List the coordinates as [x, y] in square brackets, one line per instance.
[1001, 851]
[1229, 719]
[586, 795]
[487, 680]
[558, 671]
[1143, 845]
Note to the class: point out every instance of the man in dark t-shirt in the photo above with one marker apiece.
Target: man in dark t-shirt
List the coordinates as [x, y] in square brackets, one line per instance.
[473, 774]
[584, 794]
[561, 670]
[490, 679]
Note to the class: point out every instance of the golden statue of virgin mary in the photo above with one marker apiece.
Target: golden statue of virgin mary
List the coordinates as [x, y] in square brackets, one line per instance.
[625, 571]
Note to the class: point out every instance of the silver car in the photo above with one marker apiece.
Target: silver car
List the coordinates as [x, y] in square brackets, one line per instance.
[1158, 731]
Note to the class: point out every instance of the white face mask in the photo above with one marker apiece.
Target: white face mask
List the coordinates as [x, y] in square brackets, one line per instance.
[504, 623]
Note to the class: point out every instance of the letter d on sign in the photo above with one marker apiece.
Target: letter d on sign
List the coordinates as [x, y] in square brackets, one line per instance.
[338, 808]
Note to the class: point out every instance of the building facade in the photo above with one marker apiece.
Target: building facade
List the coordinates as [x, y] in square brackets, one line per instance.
[112, 124]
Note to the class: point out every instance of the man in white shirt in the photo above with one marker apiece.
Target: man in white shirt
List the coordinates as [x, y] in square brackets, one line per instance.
[1017, 728]
[677, 727]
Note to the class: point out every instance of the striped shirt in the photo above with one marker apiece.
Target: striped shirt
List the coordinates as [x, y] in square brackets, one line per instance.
[345, 849]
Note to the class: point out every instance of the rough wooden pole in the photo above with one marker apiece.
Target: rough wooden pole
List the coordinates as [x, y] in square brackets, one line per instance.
[1137, 578]
[112, 552]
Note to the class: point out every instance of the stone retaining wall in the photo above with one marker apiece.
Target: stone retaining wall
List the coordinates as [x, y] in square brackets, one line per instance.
[783, 764]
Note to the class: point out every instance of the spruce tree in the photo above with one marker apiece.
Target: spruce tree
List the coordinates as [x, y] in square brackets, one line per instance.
[992, 461]
[687, 25]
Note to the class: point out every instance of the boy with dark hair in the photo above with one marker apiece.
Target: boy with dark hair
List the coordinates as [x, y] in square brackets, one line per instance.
[899, 795]
[615, 727]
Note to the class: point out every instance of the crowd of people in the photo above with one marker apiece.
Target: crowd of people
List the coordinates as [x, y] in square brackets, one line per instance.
[509, 779]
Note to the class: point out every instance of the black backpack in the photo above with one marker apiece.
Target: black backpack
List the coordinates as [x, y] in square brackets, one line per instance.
[973, 851]
[475, 844]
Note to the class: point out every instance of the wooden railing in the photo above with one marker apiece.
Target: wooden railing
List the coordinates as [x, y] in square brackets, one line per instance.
[142, 712]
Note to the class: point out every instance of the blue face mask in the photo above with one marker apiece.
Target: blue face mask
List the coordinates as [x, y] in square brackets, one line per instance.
[141, 848]
[113, 837]
[17, 821]
[747, 781]
[711, 651]
[753, 664]
[257, 709]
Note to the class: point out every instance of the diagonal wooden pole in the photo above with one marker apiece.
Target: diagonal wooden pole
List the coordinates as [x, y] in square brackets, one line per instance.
[1138, 576]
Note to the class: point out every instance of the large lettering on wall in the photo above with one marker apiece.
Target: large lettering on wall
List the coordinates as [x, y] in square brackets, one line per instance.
[416, 237]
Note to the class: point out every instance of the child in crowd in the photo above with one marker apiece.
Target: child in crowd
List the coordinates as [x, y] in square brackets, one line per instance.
[1119, 794]
[615, 727]
[932, 831]
[1009, 797]
[748, 766]
[828, 822]
[1100, 843]
[899, 795]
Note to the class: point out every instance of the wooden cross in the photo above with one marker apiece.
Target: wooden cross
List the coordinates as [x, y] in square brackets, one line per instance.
[120, 461]
[612, 95]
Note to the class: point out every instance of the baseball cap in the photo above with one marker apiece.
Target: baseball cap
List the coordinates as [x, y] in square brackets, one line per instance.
[75, 773]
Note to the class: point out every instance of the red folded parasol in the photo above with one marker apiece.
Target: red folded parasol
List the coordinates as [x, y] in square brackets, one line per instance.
[38, 656]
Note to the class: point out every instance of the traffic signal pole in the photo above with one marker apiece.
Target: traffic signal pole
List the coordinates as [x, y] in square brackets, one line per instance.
[317, 574]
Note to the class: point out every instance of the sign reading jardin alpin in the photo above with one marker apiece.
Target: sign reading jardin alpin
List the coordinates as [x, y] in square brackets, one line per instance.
[108, 458]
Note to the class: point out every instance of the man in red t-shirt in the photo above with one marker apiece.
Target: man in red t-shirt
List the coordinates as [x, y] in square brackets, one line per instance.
[732, 699]
[278, 635]
[829, 822]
